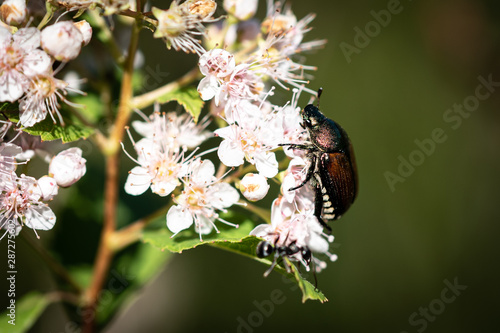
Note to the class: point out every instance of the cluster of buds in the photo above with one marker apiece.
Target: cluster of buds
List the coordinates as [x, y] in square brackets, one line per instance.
[27, 57]
[24, 199]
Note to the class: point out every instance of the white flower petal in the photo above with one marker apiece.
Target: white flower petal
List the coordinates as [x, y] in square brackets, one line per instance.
[222, 195]
[12, 85]
[138, 181]
[262, 230]
[163, 188]
[204, 225]
[37, 62]
[202, 172]
[230, 154]
[40, 218]
[28, 38]
[207, 88]
[266, 164]
[178, 219]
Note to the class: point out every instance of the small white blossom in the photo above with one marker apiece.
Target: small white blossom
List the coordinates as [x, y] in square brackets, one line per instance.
[20, 58]
[13, 12]
[216, 64]
[253, 140]
[21, 204]
[161, 152]
[62, 40]
[42, 98]
[68, 167]
[179, 131]
[181, 24]
[254, 186]
[241, 9]
[202, 197]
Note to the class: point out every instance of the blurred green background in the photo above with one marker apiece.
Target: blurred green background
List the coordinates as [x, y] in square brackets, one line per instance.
[400, 248]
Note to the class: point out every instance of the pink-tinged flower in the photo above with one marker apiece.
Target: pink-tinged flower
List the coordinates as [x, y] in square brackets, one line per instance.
[62, 40]
[160, 153]
[244, 83]
[176, 131]
[13, 12]
[21, 205]
[299, 228]
[68, 167]
[253, 140]
[241, 9]
[254, 186]
[215, 64]
[293, 132]
[303, 197]
[20, 58]
[42, 98]
[159, 168]
[181, 25]
[202, 197]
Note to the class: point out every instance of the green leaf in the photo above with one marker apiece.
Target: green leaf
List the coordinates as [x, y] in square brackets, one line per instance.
[234, 240]
[27, 311]
[188, 97]
[189, 239]
[308, 290]
[94, 108]
[48, 131]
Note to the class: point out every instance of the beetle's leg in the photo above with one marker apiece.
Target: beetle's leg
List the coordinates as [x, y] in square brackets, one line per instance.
[309, 174]
[318, 206]
[298, 146]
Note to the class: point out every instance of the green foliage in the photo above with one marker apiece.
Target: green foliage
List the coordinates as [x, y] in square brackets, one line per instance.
[48, 131]
[235, 240]
[188, 97]
[27, 311]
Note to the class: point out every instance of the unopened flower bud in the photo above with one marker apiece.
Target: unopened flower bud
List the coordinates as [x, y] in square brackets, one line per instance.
[13, 12]
[203, 9]
[48, 187]
[68, 167]
[241, 9]
[62, 40]
[85, 30]
[254, 186]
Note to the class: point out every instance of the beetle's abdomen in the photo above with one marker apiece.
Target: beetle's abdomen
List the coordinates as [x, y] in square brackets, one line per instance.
[339, 180]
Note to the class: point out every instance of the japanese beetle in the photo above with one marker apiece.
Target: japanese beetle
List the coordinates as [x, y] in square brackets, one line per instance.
[331, 165]
[265, 249]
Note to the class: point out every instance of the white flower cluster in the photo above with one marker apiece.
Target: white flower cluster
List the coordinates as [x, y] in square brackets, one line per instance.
[163, 166]
[236, 78]
[24, 199]
[27, 56]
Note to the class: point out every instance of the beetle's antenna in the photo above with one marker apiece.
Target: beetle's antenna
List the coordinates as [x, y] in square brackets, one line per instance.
[320, 90]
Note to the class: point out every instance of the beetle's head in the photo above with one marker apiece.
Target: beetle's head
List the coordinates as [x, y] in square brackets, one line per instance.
[312, 116]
